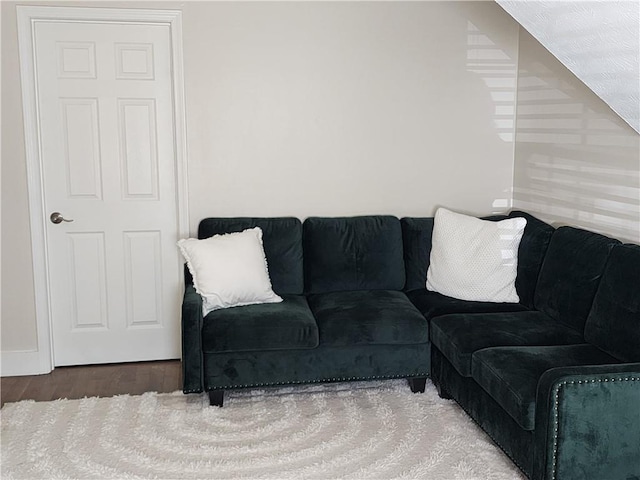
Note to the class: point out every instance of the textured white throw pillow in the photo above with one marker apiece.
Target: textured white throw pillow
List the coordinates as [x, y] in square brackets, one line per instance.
[229, 270]
[473, 259]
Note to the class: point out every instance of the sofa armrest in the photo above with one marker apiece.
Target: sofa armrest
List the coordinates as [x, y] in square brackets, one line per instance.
[191, 341]
[588, 423]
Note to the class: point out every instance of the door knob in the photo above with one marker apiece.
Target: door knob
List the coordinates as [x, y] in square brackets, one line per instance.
[57, 218]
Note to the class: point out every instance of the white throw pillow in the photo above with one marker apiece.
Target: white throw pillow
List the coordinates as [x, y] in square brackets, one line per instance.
[473, 259]
[229, 270]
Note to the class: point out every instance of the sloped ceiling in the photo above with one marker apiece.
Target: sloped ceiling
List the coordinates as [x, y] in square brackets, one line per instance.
[598, 41]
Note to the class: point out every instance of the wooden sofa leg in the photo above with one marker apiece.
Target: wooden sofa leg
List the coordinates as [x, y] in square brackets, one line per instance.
[417, 384]
[442, 393]
[216, 398]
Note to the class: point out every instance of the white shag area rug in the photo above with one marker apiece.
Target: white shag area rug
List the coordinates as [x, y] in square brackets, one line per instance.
[363, 430]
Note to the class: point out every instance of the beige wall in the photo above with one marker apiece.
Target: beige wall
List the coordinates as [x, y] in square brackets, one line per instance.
[576, 161]
[348, 108]
[312, 108]
[18, 307]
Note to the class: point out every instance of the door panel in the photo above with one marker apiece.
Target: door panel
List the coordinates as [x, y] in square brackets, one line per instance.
[81, 147]
[137, 122]
[87, 280]
[108, 154]
[143, 278]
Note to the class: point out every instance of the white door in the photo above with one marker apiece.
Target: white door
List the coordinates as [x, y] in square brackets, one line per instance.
[104, 95]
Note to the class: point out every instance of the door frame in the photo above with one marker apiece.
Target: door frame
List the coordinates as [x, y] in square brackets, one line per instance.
[41, 360]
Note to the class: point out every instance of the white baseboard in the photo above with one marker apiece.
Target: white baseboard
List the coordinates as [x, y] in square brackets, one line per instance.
[26, 362]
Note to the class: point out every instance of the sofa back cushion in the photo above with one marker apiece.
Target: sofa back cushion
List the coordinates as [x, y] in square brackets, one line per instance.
[533, 247]
[416, 237]
[416, 240]
[613, 324]
[571, 273]
[282, 239]
[352, 253]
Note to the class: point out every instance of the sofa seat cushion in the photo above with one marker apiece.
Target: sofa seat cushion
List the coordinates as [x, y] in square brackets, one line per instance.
[459, 336]
[367, 317]
[271, 326]
[434, 304]
[510, 374]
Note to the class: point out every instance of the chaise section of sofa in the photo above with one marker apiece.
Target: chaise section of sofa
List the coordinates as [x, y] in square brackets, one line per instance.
[551, 386]
[567, 283]
[582, 401]
[588, 417]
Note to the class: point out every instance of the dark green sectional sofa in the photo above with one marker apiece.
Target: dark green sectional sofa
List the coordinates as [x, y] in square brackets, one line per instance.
[554, 379]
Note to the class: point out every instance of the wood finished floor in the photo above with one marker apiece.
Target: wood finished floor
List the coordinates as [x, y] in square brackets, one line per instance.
[94, 381]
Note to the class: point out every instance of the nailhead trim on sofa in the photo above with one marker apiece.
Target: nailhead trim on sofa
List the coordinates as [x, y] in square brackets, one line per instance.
[191, 391]
[556, 405]
[323, 380]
